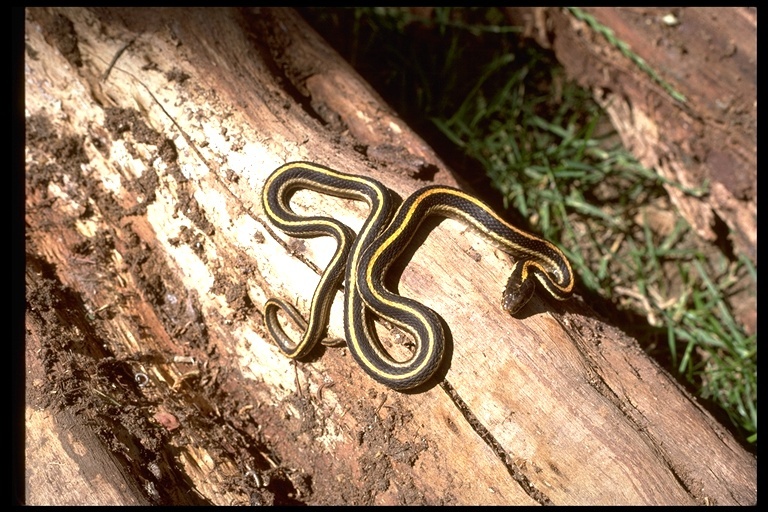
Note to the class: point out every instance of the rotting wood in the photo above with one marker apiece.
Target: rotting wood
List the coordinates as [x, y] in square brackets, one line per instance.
[707, 143]
[143, 193]
[709, 56]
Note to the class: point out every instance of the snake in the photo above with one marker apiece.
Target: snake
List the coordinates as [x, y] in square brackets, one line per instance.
[364, 260]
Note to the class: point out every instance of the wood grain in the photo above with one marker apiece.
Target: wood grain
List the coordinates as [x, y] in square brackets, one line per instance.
[171, 258]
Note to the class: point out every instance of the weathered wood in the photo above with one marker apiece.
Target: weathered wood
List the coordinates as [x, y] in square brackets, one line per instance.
[143, 194]
[707, 143]
[709, 55]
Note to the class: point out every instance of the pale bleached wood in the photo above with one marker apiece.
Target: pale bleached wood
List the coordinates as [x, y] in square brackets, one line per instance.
[548, 414]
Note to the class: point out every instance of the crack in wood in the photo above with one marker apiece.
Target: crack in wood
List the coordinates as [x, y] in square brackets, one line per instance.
[488, 438]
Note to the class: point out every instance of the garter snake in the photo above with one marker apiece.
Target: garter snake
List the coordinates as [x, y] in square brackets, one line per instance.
[277, 192]
[376, 247]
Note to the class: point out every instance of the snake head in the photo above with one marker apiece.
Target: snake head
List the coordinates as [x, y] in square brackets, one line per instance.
[519, 289]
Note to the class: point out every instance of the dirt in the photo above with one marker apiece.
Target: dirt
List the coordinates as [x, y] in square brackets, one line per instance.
[146, 423]
[181, 389]
[142, 418]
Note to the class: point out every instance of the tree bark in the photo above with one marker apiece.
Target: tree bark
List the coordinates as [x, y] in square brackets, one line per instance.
[150, 133]
[706, 143]
[709, 55]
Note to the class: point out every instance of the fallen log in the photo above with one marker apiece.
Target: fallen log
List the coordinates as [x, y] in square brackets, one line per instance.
[150, 133]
